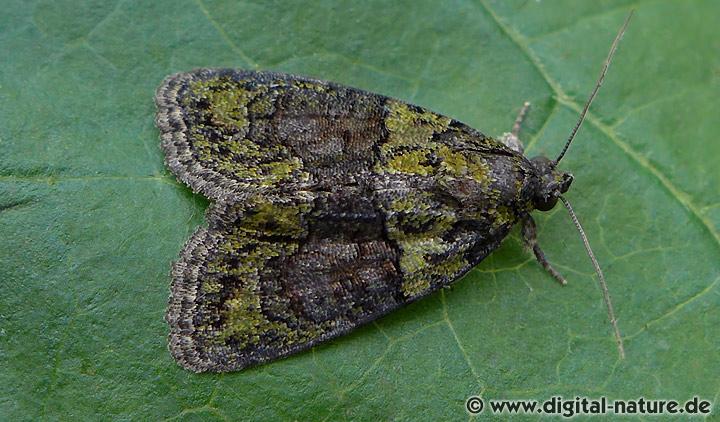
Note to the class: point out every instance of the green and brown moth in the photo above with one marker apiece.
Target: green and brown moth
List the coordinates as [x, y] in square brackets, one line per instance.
[331, 207]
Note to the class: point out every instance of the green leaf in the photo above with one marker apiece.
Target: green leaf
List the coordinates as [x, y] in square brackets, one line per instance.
[90, 219]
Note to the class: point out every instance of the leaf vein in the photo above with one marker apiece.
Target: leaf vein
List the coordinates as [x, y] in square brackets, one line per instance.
[675, 309]
[234, 47]
[449, 323]
[682, 197]
[590, 16]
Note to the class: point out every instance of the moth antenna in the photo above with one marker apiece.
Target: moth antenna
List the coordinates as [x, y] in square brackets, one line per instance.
[595, 90]
[601, 278]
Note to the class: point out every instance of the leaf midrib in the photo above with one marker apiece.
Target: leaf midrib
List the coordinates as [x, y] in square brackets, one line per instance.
[562, 97]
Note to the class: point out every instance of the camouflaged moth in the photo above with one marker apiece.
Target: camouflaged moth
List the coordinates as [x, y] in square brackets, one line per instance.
[331, 207]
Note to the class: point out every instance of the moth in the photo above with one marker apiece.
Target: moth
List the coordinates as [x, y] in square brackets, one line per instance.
[330, 207]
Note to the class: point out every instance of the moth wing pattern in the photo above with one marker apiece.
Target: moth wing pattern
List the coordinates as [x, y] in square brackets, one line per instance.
[228, 132]
[274, 276]
[332, 207]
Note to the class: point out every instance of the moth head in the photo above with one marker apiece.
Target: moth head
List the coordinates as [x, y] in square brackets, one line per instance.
[551, 183]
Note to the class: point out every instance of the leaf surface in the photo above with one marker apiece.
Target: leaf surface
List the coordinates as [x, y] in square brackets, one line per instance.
[90, 219]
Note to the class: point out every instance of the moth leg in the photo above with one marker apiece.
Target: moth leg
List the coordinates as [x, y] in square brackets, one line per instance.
[510, 139]
[529, 234]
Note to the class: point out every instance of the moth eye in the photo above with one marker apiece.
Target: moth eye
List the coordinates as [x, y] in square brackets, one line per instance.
[545, 204]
